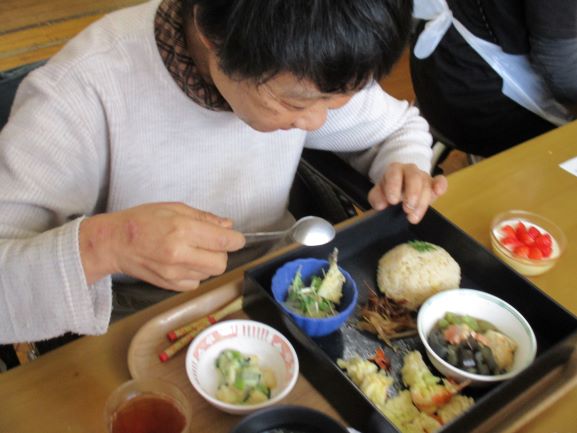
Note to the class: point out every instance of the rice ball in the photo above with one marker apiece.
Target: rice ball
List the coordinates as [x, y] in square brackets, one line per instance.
[414, 271]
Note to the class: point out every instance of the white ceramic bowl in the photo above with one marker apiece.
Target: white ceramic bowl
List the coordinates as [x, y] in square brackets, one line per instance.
[274, 351]
[480, 305]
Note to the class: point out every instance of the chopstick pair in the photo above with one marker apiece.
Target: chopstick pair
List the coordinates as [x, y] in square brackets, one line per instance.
[185, 334]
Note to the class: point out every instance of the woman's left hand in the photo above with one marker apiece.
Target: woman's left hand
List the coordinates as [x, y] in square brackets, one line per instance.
[410, 185]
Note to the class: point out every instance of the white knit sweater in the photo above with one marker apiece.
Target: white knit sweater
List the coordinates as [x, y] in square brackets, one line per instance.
[104, 127]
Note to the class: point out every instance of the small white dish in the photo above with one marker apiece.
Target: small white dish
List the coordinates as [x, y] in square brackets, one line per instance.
[249, 337]
[480, 305]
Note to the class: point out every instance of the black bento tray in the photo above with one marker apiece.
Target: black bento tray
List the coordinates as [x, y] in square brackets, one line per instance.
[360, 247]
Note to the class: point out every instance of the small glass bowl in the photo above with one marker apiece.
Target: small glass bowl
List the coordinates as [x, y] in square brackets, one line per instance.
[148, 405]
[527, 266]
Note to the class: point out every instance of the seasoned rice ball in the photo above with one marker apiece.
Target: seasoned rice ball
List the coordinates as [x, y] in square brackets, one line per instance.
[414, 271]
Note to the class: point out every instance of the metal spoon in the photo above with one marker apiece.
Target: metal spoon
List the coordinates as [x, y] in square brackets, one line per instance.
[309, 231]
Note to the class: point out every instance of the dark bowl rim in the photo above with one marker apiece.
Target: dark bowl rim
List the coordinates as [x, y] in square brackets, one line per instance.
[291, 412]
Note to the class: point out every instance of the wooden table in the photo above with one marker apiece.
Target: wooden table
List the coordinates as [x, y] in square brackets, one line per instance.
[527, 177]
[64, 390]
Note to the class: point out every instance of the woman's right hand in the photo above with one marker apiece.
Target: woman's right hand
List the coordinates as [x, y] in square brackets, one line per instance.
[170, 245]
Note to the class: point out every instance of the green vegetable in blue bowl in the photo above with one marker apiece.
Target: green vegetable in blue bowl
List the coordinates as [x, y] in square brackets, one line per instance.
[318, 294]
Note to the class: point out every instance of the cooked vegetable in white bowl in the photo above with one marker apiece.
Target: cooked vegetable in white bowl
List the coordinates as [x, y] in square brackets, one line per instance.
[240, 366]
[474, 336]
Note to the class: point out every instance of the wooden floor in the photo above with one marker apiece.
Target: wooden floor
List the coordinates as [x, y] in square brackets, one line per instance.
[32, 30]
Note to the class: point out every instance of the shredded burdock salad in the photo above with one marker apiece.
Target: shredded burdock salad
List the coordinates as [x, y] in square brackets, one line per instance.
[386, 319]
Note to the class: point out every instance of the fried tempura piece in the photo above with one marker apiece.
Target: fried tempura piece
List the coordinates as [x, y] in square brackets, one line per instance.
[455, 407]
[357, 368]
[332, 286]
[407, 418]
[428, 391]
[374, 383]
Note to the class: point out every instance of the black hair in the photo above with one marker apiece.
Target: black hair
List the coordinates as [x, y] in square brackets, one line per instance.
[340, 45]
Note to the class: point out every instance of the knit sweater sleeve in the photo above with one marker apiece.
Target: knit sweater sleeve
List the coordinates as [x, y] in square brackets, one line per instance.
[51, 174]
[374, 130]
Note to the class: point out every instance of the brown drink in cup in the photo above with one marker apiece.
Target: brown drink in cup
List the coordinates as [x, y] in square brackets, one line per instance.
[147, 406]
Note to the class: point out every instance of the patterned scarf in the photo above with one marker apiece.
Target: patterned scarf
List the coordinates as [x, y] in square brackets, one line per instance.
[171, 42]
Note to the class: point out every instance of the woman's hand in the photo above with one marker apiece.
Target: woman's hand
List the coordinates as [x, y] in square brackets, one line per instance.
[170, 245]
[407, 183]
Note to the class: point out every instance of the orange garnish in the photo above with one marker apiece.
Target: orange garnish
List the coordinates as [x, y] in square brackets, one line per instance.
[381, 359]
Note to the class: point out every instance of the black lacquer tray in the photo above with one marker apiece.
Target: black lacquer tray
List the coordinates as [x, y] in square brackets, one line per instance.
[360, 247]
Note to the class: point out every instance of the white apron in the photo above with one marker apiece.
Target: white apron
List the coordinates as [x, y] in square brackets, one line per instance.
[521, 82]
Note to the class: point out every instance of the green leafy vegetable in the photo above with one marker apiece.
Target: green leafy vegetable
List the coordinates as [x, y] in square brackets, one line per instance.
[422, 246]
[320, 297]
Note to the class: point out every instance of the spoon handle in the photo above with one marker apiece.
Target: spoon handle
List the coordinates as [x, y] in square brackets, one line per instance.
[253, 238]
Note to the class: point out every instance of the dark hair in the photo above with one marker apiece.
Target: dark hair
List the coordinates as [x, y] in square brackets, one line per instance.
[337, 44]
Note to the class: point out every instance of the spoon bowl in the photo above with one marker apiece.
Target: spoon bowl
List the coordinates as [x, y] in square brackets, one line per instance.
[309, 231]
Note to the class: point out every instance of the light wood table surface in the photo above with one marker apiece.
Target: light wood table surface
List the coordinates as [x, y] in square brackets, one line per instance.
[65, 390]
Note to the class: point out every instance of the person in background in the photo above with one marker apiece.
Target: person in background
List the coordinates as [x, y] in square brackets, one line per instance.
[155, 137]
[490, 74]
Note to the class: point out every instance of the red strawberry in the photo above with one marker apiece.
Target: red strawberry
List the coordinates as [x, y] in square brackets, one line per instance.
[510, 242]
[543, 240]
[533, 232]
[521, 251]
[535, 253]
[520, 229]
[508, 230]
[546, 251]
[527, 239]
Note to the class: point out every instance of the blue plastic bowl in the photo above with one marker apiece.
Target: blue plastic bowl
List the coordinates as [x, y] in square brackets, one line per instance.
[314, 327]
